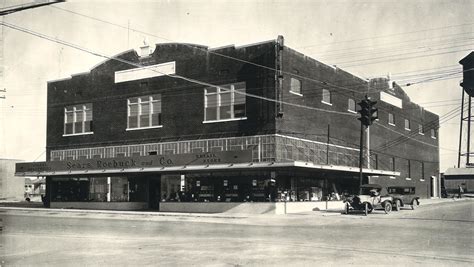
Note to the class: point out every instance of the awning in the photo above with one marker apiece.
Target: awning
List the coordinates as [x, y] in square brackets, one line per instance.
[207, 167]
[459, 173]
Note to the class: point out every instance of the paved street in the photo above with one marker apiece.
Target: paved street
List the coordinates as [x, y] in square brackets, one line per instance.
[432, 235]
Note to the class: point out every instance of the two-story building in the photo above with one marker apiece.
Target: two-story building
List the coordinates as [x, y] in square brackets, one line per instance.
[189, 128]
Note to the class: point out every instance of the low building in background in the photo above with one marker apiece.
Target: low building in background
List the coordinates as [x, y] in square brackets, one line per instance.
[461, 179]
[35, 189]
[188, 128]
[11, 187]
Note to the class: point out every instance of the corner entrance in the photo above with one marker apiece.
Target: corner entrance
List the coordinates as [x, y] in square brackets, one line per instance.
[154, 193]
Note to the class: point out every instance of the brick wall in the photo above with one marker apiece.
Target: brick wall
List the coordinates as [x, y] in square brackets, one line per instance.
[182, 101]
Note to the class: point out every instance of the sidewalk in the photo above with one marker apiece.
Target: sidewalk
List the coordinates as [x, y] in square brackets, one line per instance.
[37, 207]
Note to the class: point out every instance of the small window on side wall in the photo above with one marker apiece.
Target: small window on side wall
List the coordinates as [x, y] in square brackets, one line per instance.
[351, 105]
[433, 133]
[326, 97]
[295, 86]
[420, 129]
[391, 119]
[407, 125]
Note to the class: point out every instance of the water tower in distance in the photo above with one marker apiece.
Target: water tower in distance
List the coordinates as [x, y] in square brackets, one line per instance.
[467, 85]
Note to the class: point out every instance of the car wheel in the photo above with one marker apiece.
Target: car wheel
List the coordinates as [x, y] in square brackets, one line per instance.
[388, 207]
[346, 209]
[366, 208]
[370, 208]
[398, 205]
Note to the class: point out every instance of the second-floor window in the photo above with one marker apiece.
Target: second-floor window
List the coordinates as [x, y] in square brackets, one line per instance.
[295, 86]
[391, 119]
[351, 105]
[144, 112]
[420, 129]
[326, 97]
[224, 103]
[78, 119]
[407, 125]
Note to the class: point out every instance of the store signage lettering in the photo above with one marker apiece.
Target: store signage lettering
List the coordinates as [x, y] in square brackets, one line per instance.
[209, 158]
[138, 162]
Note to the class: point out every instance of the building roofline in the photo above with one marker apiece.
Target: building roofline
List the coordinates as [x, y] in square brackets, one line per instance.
[466, 58]
[255, 44]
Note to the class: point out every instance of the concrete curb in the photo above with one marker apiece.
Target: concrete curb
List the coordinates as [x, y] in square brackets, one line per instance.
[143, 213]
[324, 213]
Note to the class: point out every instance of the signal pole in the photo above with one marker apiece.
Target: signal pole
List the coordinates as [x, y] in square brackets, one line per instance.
[361, 153]
[368, 114]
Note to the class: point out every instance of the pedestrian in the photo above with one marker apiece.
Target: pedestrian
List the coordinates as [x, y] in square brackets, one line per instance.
[461, 190]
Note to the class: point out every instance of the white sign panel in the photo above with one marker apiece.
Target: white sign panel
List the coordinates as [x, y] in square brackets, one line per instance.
[145, 72]
[390, 99]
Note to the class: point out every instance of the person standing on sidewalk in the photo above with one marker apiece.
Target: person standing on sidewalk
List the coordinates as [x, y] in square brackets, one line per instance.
[461, 190]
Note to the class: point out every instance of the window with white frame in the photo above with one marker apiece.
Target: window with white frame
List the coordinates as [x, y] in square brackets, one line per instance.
[144, 112]
[391, 119]
[407, 125]
[391, 163]
[295, 86]
[420, 129]
[433, 133]
[351, 105]
[224, 103]
[78, 119]
[326, 96]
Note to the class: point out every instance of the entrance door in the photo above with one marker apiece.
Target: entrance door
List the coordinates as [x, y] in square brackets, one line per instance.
[432, 186]
[155, 193]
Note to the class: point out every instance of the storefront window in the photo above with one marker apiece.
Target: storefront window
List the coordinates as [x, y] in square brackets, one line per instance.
[119, 189]
[171, 188]
[99, 189]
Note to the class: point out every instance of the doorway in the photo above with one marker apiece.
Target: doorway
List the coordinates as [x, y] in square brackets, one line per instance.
[155, 193]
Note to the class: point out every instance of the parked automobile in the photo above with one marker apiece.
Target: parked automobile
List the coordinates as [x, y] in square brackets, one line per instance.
[371, 197]
[403, 196]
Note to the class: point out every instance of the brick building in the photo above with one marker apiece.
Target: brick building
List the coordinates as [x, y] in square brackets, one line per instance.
[185, 124]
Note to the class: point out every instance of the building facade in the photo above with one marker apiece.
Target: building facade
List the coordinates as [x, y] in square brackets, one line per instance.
[186, 124]
[11, 187]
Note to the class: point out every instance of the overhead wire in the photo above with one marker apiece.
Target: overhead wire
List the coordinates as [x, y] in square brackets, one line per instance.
[185, 78]
[389, 35]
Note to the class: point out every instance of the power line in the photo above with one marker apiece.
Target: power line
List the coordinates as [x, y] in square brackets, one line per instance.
[210, 52]
[389, 35]
[173, 76]
[405, 58]
[400, 54]
[215, 53]
[441, 76]
[387, 45]
[388, 50]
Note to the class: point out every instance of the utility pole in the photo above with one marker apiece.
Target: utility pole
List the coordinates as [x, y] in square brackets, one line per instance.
[368, 114]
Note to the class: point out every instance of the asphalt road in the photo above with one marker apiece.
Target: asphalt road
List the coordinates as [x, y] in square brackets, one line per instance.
[434, 235]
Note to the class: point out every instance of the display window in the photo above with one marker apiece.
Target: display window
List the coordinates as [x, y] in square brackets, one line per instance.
[98, 189]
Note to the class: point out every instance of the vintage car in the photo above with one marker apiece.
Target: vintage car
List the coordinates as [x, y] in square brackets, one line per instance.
[403, 196]
[371, 197]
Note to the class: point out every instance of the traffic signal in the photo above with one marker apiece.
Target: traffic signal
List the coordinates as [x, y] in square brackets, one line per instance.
[374, 112]
[368, 113]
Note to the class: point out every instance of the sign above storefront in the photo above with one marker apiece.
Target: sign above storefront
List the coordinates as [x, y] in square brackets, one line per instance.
[208, 158]
[168, 68]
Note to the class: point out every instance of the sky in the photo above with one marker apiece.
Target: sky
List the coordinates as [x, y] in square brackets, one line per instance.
[412, 40]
